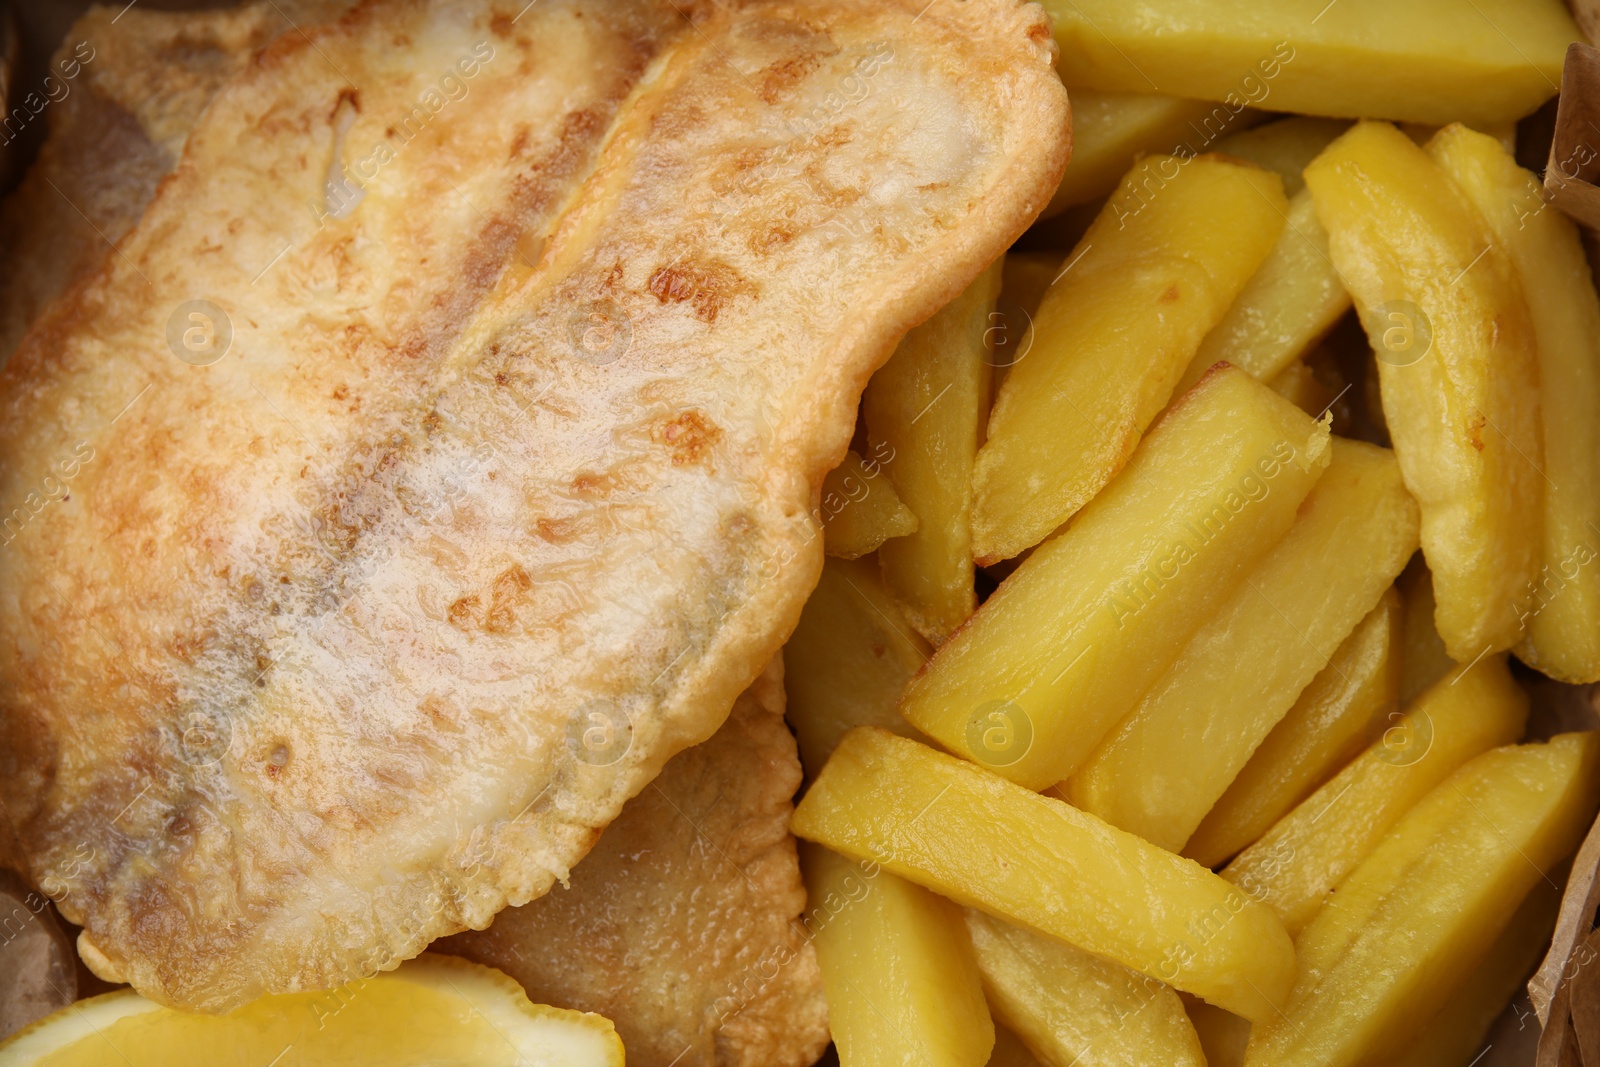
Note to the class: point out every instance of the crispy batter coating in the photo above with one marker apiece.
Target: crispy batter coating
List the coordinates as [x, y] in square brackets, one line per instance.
[435, 459]
[139, 81]
[681, 925]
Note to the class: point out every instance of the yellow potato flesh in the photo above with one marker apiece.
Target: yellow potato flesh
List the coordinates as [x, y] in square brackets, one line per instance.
[1432, 61]
[1562, 611]
[903, 988]
[848, 660]
[1161, 769]
[1427, 905]
[1290, 301]
[1024, 277]
[1297, 864]
[1162, 262]
[1284, 146]
[1111, 130]
[1457, 361]
[1009, 1051]
[1299, 385]
[1328, 726]
[1070, 1008]
[860, 509]
[925, 409]
[1456, 1035]
[1067, 645]
[1223, 1035]
[1425, 661]
[986, 843]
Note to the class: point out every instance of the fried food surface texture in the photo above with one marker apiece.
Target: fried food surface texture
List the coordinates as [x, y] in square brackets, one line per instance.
[435, 458]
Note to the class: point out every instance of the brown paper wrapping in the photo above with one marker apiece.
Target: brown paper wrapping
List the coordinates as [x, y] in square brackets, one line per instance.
[1565, 991]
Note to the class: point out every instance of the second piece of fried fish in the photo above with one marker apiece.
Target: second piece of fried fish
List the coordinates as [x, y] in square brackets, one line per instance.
[682, 924]
[435, 458]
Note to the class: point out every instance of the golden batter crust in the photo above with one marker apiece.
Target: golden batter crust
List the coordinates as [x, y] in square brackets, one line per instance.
[543, 329]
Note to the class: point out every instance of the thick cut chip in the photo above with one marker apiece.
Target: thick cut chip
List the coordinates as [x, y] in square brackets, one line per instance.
[1223, 1035]
[1296, 295]
[1065, 648]
[1432, 61]
[1561, 613]
[1455, 348]
[903, 986]
[693, 894]
[1073, 1008]
[1424, 660]
[1291, 300]
[1386, 953]
[860, 509]
[1111, 130]
[1284, 146]
[1164, 259]
[356, 571]
[1297, 864]
[986, 843]
[1456, 1035]
[1329, 725]
[928, 405]
[1162, 768]
[1024, 277]
[1009, 1051]
[848, 661]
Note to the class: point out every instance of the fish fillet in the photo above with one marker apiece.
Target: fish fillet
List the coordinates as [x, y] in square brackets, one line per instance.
[681, 924]
[693, 892]
[140, 80]
[498, 493]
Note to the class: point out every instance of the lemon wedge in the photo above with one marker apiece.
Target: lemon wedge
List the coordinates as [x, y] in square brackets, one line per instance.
[433, 1010]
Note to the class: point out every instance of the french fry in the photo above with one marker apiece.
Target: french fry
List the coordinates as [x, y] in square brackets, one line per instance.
[1162, 262]
[1445, 312]
[897, 966]
[1284, 146]
[1456, 1035]
[1067, 645]
[1428, 903]
[1164, 766]
[1291, 300]
[860, 509]
[1563, 609]
[1299, 385]
[1424, 661]
[1070, 1008]
[1295, 295]
[927, 405]
[1009, 1051]
[1223, 1035]
[1111, 130]
[983, 842]
[848, 660]
[1327, 728]
[1432, 61]
[1296, 865]
[1024, 277]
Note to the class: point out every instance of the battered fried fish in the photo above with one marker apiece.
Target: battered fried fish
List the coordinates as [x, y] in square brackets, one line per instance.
[681, 925]
[132, 84]
[434, 461]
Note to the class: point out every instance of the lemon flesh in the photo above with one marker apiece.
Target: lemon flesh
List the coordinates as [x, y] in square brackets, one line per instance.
[431, 1012]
